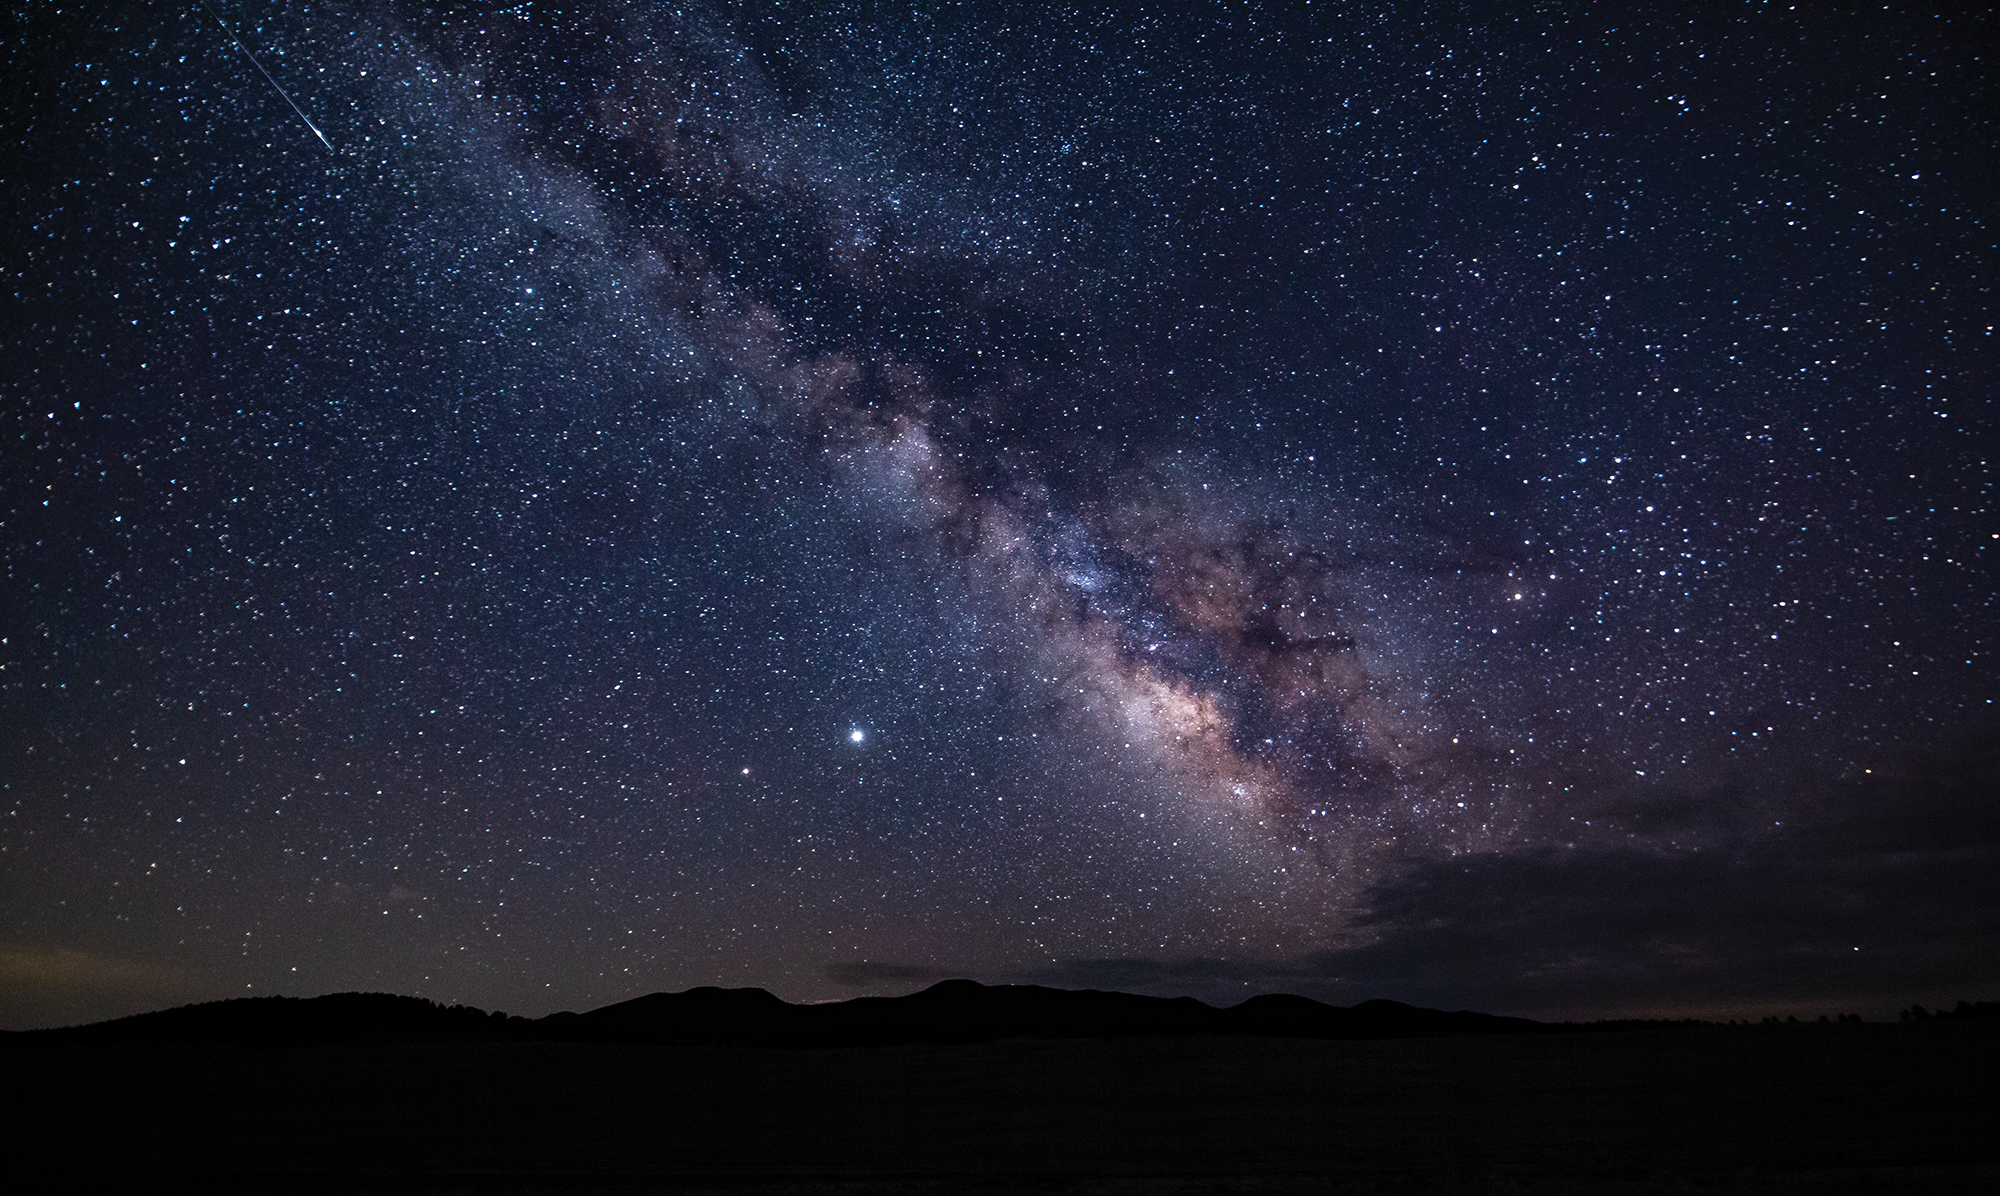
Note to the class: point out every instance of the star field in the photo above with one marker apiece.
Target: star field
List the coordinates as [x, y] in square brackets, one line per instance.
[1484, 510]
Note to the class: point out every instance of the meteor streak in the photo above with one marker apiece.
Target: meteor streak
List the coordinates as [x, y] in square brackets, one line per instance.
[267, 77]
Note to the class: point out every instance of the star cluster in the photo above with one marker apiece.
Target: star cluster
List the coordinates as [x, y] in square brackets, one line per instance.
[1196, 500]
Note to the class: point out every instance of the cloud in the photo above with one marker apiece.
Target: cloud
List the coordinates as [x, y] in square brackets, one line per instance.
[1608, 932]
[1883, 896]
[1860, 893]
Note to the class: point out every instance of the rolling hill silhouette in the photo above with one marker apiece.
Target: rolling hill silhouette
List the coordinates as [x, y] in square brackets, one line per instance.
[953, 1011]
[1025, 1088]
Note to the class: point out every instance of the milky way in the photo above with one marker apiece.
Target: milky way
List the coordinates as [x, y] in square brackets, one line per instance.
[1481, 511]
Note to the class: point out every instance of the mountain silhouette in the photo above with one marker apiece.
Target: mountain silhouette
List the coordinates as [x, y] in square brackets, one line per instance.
[952, 1011]
[339, 1017]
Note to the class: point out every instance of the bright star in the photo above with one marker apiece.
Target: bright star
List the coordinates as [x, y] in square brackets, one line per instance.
[857, 735]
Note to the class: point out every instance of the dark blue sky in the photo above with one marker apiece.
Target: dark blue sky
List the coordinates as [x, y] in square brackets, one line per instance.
[1487, 508]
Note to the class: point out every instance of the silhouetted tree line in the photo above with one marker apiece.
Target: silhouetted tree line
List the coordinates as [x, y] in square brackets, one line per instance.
[1964, 1009]
[951, 1011]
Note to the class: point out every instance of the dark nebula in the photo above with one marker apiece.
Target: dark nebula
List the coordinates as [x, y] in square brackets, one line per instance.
[1486, 509]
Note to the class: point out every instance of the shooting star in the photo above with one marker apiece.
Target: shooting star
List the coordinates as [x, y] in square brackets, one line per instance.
[268, 79]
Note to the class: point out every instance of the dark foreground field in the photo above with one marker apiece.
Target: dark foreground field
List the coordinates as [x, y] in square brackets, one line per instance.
[1842, 1108]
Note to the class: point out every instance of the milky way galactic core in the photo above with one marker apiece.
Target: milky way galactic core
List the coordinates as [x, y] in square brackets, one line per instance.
[537, 505]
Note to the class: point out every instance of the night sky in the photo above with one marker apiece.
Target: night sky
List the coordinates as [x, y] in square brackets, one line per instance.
[1486, 506]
